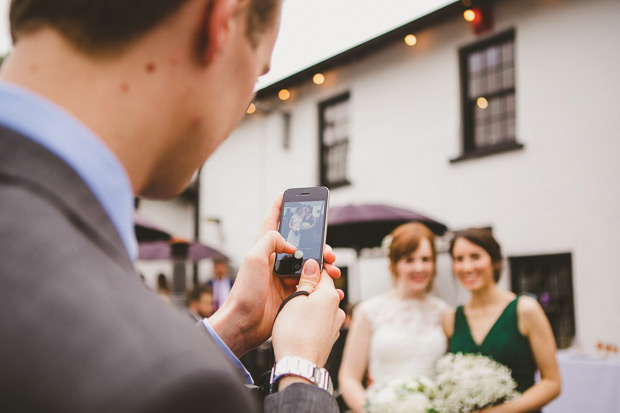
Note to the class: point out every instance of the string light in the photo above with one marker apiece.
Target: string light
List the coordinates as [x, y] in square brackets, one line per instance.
[482, 103]
[410, 40]
[251, 109]
[469, 15]
[318, 79]
[284, 94]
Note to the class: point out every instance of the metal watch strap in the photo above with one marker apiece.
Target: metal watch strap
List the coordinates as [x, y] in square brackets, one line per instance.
[296, 366]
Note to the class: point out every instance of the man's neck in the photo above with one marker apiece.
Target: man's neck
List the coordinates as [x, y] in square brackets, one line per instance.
[93, 91]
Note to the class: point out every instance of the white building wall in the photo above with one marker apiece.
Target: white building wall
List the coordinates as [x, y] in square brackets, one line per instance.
[558, 194]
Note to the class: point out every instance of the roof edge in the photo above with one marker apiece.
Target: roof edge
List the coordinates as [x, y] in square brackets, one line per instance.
[362, 49]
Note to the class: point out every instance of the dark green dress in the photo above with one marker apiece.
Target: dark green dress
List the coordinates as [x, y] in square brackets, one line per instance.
[504, 343]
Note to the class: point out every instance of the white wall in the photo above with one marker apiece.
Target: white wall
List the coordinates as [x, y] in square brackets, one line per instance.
[558, 194]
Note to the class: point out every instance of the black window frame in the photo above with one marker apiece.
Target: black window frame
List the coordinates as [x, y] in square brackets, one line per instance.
[324, 149]
[470, 149]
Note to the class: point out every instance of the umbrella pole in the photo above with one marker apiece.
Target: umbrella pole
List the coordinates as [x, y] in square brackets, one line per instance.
[179, 283]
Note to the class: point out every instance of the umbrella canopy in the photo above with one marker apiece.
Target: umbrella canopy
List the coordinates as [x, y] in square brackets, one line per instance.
[365, 225]
[147, 231]
[164, 250]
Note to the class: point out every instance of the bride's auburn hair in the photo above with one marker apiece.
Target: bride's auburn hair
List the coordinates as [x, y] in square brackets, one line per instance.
[405, 239]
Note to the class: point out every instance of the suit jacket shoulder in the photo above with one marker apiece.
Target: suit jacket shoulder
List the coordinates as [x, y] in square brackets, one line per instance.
[80, 331]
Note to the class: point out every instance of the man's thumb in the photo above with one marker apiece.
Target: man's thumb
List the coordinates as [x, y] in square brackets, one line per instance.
[310, 276]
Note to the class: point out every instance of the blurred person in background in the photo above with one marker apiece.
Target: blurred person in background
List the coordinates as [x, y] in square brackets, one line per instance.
[200, 302]
[100, 102]
[221, 283]
[513, 330]
[396, 335]
[163, 291]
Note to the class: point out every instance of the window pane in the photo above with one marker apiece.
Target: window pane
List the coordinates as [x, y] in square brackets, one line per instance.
[510, 105]
[492, 56]
[507, 54]
[475, 88]
[335, 121]
[508, 78]
[510, 129]
[490, 74]
[496, 133]
[475, 63]
[492, 83]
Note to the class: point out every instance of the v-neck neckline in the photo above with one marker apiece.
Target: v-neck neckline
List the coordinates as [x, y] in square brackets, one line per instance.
[478, 346]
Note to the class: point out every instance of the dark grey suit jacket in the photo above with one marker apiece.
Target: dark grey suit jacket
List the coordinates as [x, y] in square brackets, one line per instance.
[79, 331]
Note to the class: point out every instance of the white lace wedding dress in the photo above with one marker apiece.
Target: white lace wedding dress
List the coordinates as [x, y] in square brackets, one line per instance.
[407, 337]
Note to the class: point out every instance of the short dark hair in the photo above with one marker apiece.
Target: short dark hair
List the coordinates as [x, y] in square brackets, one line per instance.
[482, 237]
[108, 27]
[96, 27]
[195, 293]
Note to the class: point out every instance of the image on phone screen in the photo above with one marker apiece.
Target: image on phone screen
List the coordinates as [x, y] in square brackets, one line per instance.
[302, 224]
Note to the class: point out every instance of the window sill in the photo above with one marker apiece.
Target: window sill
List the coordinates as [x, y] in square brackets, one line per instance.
[491, 150]
[340, 184]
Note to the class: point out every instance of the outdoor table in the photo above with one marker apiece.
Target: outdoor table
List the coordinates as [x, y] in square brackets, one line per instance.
[590, 383]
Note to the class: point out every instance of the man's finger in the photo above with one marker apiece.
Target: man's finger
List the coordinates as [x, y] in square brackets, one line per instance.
[272, 242]
[332, 270]
[328, 255]
[310, 276]
[273, 218]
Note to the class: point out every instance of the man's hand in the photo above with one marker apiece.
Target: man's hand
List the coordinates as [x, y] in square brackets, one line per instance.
[308, 326]
[246, 319]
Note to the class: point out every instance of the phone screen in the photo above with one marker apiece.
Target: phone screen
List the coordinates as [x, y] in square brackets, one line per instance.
[302, 224]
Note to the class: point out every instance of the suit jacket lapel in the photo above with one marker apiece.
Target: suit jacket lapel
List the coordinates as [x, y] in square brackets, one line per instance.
[28, 164]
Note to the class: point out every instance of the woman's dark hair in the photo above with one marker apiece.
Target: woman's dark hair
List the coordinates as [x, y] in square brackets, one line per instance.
[483, 238]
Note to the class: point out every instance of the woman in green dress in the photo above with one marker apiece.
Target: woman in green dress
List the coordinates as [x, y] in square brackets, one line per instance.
[511, 329]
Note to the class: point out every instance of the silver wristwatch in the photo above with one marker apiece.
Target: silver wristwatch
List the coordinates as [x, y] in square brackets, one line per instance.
[296, 366]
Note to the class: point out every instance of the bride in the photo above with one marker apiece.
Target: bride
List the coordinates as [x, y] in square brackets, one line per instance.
[396, 335]
[294, 226]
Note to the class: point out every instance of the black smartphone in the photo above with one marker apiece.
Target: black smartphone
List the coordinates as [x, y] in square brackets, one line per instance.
[303, 223]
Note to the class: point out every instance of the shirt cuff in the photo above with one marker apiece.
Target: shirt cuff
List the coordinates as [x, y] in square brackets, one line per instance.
[247, 378]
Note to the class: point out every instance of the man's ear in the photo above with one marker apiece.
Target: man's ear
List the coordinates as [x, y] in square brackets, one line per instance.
[217, 27]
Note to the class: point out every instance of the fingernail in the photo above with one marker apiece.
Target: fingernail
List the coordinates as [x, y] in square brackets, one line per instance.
[311, 267]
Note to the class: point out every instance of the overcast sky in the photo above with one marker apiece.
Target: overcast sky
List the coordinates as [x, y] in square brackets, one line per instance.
[313, 30]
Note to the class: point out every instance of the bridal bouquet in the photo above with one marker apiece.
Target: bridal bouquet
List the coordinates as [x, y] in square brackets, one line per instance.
[470, 382]
[402, 396]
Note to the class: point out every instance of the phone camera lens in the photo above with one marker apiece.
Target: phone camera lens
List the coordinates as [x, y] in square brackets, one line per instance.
[297, 266]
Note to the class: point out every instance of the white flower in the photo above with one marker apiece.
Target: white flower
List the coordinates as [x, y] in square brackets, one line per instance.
[386, 244]
[469, 382]
[402, 396]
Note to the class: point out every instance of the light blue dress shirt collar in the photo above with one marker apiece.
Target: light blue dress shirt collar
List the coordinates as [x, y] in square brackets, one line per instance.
[62, 134]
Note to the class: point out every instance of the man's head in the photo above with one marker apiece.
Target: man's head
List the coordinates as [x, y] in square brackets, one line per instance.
[161, 82]
[200, 301]
[220, 269]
